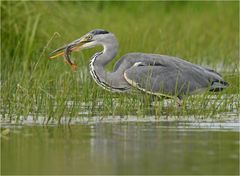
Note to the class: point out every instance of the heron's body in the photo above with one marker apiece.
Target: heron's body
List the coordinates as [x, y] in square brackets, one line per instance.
[155, 74]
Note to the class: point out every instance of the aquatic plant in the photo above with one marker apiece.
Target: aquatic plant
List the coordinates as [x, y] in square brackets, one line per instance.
[33, 85]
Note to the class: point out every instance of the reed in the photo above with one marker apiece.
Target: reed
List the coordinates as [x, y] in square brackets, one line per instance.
[205, 33]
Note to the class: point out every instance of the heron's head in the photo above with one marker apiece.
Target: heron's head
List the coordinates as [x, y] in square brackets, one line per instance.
[91, 39]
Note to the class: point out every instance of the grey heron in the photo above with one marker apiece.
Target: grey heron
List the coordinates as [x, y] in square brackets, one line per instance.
[158, 75]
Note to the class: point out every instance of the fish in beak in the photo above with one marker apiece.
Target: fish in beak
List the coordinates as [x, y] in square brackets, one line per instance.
[66, 50]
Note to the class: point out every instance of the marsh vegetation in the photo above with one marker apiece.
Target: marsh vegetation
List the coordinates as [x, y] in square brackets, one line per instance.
[31, 85]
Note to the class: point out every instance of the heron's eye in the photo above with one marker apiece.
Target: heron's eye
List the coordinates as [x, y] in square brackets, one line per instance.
[89, 37]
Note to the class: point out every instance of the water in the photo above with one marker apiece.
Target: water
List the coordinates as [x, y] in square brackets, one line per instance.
[121, 148]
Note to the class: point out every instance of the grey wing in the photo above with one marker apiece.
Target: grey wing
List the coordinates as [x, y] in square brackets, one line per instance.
[165, 80]
[166, 75]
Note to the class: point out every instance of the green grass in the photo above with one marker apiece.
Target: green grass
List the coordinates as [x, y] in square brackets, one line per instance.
[205, 33]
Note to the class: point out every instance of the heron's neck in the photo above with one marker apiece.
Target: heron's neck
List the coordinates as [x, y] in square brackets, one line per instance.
[108, 80]
[110, 49]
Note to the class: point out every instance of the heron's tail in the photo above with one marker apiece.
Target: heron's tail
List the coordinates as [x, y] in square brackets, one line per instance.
[218, 85]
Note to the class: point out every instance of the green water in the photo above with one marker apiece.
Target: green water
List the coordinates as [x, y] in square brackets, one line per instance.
[122, 148]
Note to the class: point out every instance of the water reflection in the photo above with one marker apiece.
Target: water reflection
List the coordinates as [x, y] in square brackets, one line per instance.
[121, 148]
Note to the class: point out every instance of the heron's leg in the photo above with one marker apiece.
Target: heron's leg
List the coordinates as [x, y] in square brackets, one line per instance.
[153, 100]
[179, 101]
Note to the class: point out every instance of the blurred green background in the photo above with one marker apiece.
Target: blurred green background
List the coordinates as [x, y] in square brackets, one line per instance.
[205, 33]
[198, 31]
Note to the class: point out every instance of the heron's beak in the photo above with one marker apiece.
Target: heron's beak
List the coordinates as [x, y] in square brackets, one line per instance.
[73, 46]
